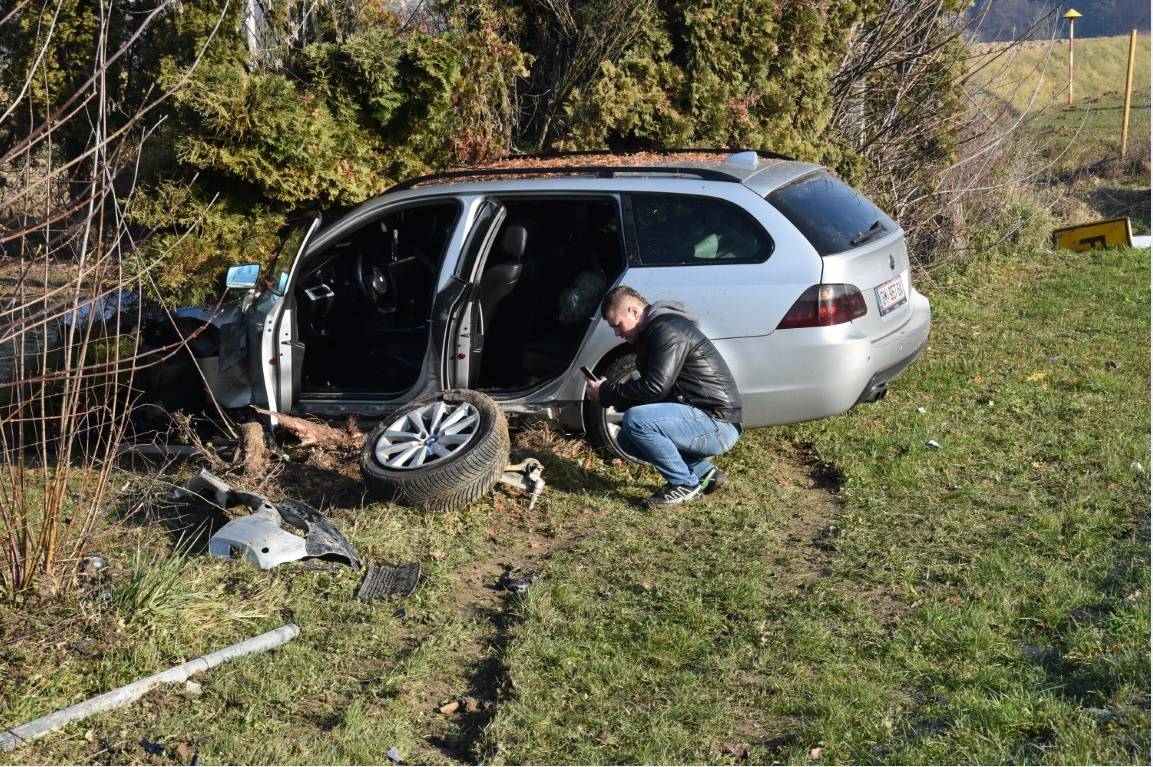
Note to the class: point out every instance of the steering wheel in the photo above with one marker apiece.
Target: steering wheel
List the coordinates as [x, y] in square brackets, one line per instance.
[374, 284]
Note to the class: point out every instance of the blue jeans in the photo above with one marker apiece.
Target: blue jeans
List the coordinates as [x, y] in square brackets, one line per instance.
[676, 439]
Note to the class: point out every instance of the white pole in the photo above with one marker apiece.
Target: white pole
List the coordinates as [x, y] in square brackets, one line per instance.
[17, 736]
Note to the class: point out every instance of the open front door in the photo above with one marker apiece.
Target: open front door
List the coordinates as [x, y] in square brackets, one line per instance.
[465, 339]
[281, 352]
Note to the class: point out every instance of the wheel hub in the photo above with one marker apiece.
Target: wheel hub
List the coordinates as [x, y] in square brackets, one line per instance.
[427, 435]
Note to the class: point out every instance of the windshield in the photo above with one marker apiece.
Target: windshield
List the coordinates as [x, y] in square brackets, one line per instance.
[831, 214]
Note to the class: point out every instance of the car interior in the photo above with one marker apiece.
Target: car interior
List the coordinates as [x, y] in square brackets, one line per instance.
[364, 312]
[541, 287]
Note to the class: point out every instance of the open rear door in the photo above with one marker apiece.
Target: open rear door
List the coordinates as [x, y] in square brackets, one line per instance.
[281, 352]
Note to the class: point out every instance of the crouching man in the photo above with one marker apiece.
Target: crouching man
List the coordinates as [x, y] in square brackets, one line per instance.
[684, 408]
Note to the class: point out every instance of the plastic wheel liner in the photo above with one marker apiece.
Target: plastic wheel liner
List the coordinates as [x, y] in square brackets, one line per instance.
[259, 536]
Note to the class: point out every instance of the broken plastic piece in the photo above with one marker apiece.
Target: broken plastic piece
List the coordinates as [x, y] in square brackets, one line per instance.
[322, 537]
[258, 537]
[394, 755]
[389, 581]
[516, 581]
[259, 540]
[91, 567]
[933, 444]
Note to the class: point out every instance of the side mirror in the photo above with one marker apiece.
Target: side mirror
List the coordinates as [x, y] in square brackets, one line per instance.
[243, 276]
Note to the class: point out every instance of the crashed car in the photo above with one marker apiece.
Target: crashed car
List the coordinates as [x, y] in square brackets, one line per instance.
[489, 281]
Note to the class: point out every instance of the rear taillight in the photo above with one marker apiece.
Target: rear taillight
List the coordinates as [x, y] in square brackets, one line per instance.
[823, 305]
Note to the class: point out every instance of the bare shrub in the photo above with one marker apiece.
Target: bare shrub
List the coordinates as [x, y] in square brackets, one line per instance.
[71, 298]
[942, 153]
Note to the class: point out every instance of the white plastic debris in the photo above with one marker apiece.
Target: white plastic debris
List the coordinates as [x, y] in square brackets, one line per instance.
[259, 536]
[1136, 466]
[259, 540]
[394, 755]
[922, 410]
[933, 444]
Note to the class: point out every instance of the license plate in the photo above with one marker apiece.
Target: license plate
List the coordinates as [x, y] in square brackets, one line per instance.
[890, 295]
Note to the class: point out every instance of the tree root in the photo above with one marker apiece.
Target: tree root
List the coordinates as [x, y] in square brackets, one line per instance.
[318, 435]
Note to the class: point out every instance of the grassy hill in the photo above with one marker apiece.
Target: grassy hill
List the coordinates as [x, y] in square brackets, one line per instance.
[1034, 76]
[1074, 150]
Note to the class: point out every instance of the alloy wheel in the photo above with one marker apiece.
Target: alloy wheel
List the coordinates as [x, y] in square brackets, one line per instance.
[427, 435]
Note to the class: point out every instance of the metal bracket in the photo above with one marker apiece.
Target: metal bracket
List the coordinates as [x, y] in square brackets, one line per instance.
[526, 475]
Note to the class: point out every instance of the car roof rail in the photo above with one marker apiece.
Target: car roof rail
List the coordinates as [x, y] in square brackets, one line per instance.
[768, 155]
[600, 171]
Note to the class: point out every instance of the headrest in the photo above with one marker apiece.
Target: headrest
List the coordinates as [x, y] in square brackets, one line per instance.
[515, 240]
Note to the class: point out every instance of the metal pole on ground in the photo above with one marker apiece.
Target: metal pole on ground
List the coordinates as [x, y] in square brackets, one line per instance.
[17, 736]
[1128, 93]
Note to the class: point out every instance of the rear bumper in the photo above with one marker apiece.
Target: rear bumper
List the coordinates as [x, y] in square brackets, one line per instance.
[879, 383]
[809, 373]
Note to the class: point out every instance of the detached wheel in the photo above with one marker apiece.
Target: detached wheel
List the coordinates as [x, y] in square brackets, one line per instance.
[438, 453]
[602, 425]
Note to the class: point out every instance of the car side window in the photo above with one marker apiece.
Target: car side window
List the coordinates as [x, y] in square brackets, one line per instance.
[683, 230]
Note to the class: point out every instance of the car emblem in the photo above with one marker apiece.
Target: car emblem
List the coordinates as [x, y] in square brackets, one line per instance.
[892, 262]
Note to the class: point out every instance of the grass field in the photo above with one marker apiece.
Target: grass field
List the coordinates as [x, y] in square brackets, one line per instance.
[854, 595]
[1034, 76]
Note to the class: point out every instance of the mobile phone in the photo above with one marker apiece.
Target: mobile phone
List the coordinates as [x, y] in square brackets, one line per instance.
[588, 373]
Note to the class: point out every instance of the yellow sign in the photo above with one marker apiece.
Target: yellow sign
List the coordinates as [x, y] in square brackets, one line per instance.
[1115, 232]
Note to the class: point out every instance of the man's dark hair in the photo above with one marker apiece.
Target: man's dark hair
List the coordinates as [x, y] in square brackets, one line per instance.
[617, 296]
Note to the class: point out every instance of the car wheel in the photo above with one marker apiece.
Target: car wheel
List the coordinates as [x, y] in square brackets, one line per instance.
[438, 453]
[602, 425]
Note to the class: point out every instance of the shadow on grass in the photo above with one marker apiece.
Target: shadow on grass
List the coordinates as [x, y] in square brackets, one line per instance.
[1116, 202]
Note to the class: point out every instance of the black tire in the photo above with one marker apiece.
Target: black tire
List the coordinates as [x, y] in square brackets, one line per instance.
[601, 424]
[445, 483]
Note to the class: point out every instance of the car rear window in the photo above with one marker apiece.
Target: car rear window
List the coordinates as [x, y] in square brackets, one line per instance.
[681, 230]
[830, 213]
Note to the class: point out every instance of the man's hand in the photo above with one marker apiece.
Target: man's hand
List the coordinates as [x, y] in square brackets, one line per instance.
[593, 389]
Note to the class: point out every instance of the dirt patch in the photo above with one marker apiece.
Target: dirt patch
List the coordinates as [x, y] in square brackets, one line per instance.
[462, 700]
[814, 528]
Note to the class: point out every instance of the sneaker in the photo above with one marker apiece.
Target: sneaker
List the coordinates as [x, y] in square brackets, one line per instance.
[671, 495]
[713, 481]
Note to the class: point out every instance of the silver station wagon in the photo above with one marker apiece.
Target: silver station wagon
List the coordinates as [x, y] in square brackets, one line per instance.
[490, 281]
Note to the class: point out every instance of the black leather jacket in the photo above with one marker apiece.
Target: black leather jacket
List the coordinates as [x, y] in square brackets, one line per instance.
[677, 363]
